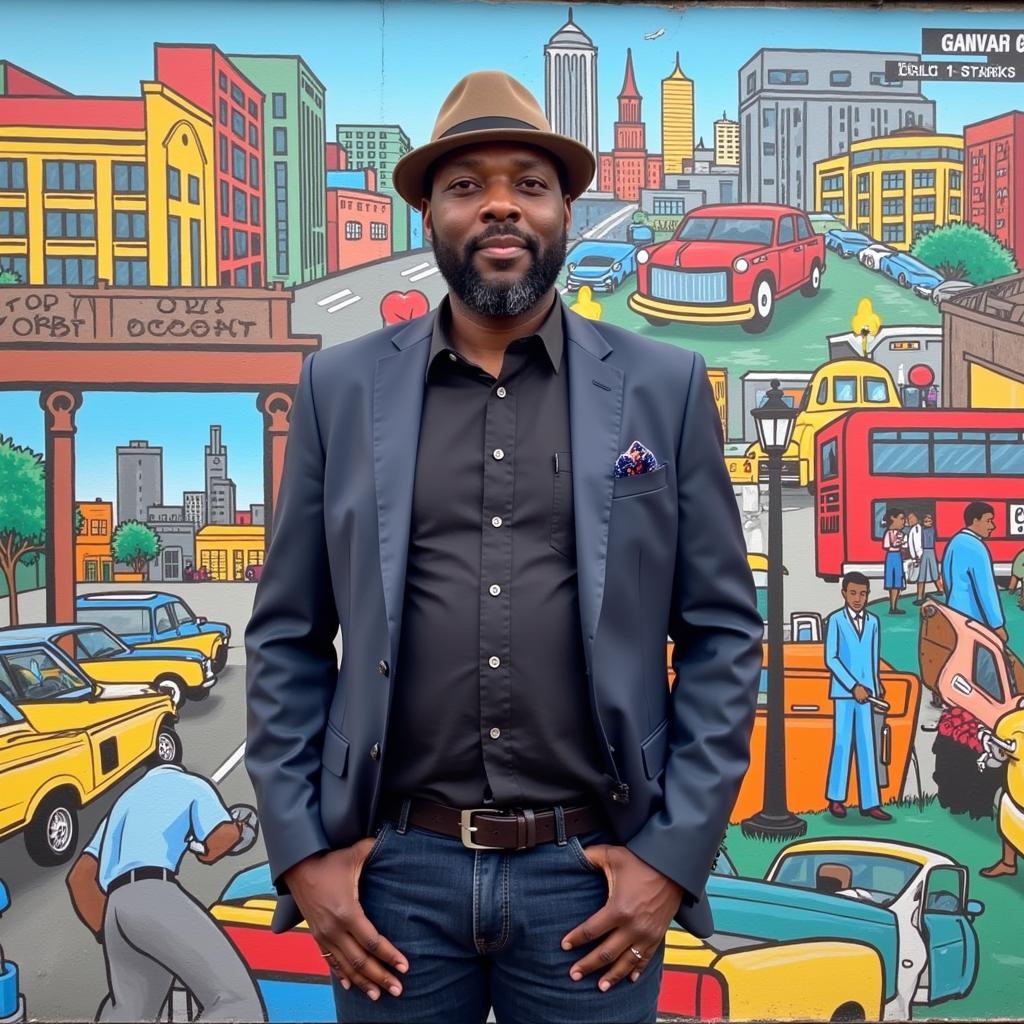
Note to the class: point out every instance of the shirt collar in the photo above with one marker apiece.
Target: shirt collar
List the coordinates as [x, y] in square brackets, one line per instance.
[853, 614]
[551, 332]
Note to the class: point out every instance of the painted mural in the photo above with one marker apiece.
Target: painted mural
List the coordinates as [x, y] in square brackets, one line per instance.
[823, 202]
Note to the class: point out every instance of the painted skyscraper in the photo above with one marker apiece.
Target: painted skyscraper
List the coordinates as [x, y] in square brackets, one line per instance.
[727, 142]
[676, 119]
[140, 479]
[570, 85]
[293, 156]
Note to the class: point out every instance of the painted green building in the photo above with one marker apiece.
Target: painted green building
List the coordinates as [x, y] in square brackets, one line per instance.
[380, 147]
[294, 132]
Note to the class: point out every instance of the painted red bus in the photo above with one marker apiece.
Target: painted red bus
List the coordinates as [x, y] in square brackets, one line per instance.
[926, 460]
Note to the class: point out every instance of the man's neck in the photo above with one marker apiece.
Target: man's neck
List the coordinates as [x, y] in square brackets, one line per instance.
[484, 339]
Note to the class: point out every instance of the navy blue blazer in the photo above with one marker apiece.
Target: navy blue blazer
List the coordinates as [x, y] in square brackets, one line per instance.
[658, 553]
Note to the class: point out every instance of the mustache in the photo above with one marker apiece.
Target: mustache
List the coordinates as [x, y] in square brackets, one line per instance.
[503, 231]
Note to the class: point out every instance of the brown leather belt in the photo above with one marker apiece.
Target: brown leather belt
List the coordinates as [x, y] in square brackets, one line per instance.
[488, 828]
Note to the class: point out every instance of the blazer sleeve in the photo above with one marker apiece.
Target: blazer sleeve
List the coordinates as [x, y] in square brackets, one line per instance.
[291, 663]
[984, 582]
[846, 679]
[717, 630]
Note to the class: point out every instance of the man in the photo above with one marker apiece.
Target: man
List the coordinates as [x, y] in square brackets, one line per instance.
[497, 801]
[851, 654]
[967, 571]
[928, 566]
[123, 888]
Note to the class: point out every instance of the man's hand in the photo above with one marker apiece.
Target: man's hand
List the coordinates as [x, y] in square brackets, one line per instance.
[641, 903]
[326, 889]
[860, 693]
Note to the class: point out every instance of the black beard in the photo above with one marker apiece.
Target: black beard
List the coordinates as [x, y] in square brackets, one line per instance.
[500, 300]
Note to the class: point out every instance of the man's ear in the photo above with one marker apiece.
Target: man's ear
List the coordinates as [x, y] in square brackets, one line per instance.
[428, 220]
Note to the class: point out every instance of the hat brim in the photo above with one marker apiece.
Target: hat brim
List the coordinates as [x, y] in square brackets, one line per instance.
[408, 174]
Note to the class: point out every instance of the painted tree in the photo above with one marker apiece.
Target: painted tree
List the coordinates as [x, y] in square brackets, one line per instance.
[9, 277]
[639, 217]
[135, 543]
[22, 513]
[964, 252]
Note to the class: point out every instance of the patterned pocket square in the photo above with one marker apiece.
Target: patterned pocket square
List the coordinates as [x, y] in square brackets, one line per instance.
[634, 460]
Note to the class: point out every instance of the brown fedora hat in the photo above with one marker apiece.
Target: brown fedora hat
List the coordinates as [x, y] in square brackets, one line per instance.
[491, 106]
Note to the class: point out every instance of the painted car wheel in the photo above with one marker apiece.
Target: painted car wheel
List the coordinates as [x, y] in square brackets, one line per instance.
[764, 307]
[220, 659]
[810, 289]
[902, 280]
[52, 836]
[171, 685]
[168, 747]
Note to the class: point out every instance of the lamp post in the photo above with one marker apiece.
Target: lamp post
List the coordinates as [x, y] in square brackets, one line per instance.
[774, 422]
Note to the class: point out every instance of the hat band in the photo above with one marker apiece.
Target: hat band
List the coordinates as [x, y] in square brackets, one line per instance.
[477, 124]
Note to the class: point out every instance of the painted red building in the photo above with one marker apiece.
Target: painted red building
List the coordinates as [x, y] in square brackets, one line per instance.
[16, 81]
[358, 227]
[204, 75]
[335, 157]
[994, 190]
[628, 168]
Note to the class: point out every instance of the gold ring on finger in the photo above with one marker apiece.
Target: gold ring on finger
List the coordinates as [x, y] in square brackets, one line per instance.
[636, 952]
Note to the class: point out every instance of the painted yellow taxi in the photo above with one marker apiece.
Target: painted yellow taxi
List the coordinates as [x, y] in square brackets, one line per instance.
[62, 751]
[107, 659]
[836, 388]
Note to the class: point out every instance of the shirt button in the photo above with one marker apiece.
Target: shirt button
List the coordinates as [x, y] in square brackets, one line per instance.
[494, 661]
[383, 668]
[499, 454]
[495, 733]
[501, 392]
[496, 521]
[451, 356]
[495, 590]
[375, 751]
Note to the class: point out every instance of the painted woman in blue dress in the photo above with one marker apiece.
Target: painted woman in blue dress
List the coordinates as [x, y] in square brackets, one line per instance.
[893, 543]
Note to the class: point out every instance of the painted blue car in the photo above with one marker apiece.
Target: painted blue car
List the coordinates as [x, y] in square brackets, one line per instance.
[846, 243]
[908, 272]
[155, 619]
[601, 265]
[12, 1002]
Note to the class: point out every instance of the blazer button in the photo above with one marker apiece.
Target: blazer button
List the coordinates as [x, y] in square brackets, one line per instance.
[383, 668]
[375, 751]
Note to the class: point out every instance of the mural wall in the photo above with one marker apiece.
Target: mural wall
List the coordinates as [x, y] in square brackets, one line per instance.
[822, 202]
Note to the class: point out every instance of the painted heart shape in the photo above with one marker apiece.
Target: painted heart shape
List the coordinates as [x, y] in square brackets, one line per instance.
[397, 307]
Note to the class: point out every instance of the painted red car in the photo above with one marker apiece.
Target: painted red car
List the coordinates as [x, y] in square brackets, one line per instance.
[729, 263]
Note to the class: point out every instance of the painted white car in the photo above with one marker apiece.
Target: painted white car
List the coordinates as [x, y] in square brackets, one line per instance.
[871, 256]
[924, 889]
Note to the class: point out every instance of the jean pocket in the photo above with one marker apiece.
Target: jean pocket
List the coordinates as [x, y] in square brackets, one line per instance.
[576, 847]
[382, 834]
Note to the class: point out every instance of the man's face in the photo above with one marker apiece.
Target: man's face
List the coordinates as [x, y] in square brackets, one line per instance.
[912, 518]
[984, 526]
[499, 223]
[928, 520]
[856, 595]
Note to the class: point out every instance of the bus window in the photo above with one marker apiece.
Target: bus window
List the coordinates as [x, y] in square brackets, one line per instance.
[986, 674]
[822, 391]
[904, 453]
[829, 451]
[1006, 453]
[845, 390]
[875, 390]
[960, 457]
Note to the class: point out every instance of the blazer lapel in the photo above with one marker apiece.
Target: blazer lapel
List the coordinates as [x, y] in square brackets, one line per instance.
[397, 407]
[595, 418]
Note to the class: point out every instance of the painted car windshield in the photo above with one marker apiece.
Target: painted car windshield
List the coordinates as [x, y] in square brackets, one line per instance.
[38, 676]
[839, 871]
[751, 230]
[97, 643]
[596, 261]
[119, 620]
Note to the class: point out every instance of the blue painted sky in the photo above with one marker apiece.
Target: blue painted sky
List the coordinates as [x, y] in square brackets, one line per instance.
[394, 62]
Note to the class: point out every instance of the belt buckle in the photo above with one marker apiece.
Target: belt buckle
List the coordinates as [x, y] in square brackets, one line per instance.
[466, 827]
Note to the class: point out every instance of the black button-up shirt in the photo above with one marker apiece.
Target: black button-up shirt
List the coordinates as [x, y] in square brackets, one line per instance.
[491, 703]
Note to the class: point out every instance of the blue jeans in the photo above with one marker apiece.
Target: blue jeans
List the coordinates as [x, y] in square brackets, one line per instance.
[484, 927]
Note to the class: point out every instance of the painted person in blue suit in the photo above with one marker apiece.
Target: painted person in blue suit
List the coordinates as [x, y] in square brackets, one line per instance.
[967, 570]
[851, 654]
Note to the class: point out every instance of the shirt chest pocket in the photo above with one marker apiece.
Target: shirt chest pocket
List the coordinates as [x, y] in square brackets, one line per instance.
[563, 520]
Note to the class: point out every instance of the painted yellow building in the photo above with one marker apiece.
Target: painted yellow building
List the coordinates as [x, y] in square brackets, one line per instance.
[727, 142]
[896, 187]
[226, 551]
[94, 558]
[676, 120]
[87, 182]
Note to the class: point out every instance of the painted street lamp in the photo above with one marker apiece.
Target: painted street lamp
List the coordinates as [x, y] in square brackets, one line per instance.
[774, 421]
